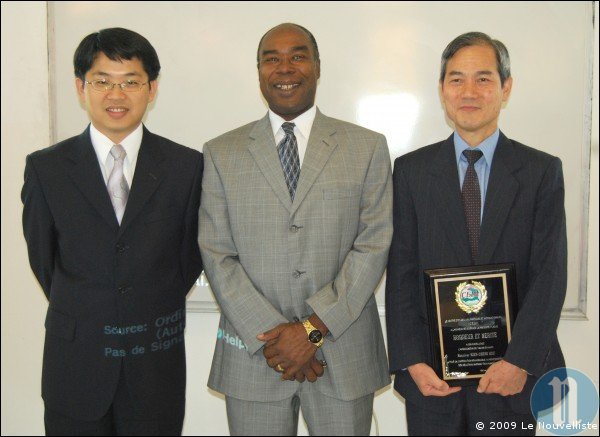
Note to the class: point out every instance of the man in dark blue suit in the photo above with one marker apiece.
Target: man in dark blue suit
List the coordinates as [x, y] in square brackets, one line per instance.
[111, 218]
[476, 198]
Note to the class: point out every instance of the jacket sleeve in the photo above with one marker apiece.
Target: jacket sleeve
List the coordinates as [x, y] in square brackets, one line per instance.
[406, 332]
[340, 302]
[539, 313]
[38, 228]
[191, 260]
[243, 305]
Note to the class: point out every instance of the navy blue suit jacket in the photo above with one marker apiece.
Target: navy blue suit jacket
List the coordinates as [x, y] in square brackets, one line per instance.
[523, 223]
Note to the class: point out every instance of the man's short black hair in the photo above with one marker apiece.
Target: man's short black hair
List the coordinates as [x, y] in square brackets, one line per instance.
[117, 44]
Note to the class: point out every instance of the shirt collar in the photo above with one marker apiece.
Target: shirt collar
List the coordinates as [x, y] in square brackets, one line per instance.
[131, 143]
[303, 122]
[487, 146]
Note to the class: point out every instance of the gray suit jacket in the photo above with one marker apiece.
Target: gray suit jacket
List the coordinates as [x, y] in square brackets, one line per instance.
[269, 260]
[523, 223]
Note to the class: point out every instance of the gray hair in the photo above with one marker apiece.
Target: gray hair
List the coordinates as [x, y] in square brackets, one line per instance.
[478, 39]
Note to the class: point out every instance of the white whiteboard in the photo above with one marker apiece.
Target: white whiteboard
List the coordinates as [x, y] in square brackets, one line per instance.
[379, 68]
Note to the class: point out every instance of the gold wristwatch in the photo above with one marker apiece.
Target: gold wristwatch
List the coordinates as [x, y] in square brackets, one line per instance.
[314, 335]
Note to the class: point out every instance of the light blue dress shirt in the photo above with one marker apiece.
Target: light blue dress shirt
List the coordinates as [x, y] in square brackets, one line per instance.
[482, 166]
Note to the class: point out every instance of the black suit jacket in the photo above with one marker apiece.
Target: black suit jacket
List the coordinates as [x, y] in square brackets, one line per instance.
[116, 293]
[523, 223]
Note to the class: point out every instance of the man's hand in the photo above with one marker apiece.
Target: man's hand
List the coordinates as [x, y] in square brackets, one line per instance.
[311, 371]
[287, 346]
[428, 382]
[502, 378]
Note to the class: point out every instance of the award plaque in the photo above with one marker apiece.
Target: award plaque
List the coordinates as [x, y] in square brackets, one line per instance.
[471, 312]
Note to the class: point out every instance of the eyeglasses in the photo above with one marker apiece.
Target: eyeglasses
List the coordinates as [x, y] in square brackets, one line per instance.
[104, 85]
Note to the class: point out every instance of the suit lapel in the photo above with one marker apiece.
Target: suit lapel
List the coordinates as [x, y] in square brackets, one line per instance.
[321, 145]
[446, 188]
[501, 192]
[264, 151]
[149, 172]
[87, 177]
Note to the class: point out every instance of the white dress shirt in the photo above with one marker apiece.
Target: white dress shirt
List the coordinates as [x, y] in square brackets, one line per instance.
[303, 125]
[102, 146]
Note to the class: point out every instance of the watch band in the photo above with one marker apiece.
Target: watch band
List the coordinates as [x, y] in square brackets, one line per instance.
[314, 335]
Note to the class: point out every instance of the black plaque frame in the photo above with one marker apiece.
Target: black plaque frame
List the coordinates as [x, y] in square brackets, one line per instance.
[463, 345]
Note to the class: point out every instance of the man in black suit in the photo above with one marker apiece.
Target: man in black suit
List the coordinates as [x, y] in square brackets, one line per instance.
[515, 216]
[110, 218]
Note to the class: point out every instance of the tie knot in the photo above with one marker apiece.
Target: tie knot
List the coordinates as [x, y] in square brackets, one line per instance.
[472, 156]
[118, 152]
[288, 128]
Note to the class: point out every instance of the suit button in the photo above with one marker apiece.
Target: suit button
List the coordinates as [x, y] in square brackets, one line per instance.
[297, 274]
[124, 289]
[121, 247]
[295, 228]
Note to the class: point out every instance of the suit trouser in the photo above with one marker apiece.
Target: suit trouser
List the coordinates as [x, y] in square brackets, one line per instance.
[478, 414]
[323, 415]
[122, 418]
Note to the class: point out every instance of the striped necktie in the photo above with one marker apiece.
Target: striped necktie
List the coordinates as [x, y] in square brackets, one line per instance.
[290, 160]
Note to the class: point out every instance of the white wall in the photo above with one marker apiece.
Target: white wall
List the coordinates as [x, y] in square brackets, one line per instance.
[28, 115]
[25, 128]
[379, 68]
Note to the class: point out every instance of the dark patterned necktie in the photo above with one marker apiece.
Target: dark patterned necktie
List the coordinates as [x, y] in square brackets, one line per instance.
[471, 198]
[288, 155]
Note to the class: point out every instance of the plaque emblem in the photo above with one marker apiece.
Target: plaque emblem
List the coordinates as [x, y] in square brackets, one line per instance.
[471, 297]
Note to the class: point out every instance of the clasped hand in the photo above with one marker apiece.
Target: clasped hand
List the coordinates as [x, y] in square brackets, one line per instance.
[286, 347]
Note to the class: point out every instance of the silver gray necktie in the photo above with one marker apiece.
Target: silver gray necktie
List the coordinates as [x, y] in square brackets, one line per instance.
[290, 160]
[117, 184]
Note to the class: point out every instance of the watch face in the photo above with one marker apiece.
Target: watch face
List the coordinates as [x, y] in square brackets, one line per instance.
[315, 336]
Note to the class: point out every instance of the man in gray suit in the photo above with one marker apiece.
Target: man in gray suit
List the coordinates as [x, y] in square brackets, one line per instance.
[476, 198]
[295, 230]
